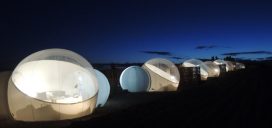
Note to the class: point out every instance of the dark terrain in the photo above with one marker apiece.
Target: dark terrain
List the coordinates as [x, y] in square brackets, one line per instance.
[240, 98]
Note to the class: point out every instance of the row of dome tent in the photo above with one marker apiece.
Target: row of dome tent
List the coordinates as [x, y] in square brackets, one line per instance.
[163, 75]
[58, 84]
[54, 84]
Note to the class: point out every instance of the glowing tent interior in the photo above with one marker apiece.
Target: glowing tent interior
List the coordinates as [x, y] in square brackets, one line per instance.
[163, 73]
[215, 71]
[52, 84]
[205, 71]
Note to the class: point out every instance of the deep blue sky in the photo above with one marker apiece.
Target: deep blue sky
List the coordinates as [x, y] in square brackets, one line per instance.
[118, 31]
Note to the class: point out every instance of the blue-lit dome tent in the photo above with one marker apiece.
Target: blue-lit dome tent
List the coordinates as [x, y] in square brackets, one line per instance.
[135, 79]
[222, 62]
[104, 89]
[52, 84]
[163, 73]
[215, 70]
[205, 71]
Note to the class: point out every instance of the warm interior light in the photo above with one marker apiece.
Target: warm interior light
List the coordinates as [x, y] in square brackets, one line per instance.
[55, 81]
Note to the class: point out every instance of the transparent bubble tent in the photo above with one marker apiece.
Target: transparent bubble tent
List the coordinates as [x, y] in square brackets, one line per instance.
[215, 70]
[204, 69]
[163, 73]
[218, 62]
[52, 84]
[231, 65]
[135, 79]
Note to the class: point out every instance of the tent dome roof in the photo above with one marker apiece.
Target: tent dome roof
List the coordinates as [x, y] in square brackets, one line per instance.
[57, 76]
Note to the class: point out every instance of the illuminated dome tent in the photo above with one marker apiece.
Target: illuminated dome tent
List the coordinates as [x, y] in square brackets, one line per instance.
[163, 73]
[135, 79]
[204, 69]
[104, 89]
[52, 84]
[231, 66]
[220, 62]
[215, 70]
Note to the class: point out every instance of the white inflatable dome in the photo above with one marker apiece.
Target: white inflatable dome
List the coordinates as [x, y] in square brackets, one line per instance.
[218, 62]
[52, 84]
[231, 65]
[164, 74]
[215, 70]
[204, 69]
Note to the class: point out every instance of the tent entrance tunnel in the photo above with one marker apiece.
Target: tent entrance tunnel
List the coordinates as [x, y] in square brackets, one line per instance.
[222, 68]
[190, 76]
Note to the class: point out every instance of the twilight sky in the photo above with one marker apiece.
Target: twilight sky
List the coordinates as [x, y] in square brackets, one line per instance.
[137, 30]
